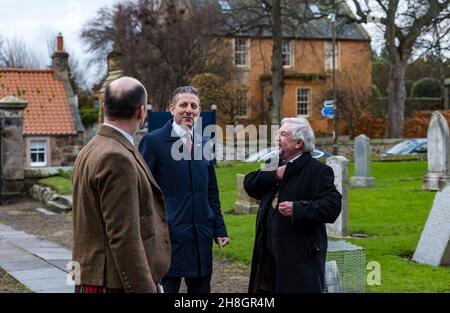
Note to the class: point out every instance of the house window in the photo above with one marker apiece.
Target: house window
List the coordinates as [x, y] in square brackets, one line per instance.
[287, 53]
[303, 98]
[241, 52]
[241, 109]
[38, 153]
[225, 6]
[241, 106]
[329, 56]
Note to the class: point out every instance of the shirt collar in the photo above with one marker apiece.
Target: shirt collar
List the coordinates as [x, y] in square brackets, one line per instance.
[124, 133]
[295, 158]
[180, 131]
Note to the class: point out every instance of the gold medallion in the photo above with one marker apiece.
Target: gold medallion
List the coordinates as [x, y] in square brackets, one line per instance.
[275, 201]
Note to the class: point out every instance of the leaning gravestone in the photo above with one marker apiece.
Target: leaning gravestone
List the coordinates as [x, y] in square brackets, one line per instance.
[339, 164]
[434, 244]
[362, 178]
[244, 204]
[438, 175]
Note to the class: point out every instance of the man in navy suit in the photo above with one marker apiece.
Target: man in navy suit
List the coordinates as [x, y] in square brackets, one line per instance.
[188, 181]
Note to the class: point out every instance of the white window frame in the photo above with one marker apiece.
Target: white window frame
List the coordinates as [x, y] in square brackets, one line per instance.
[298, 102]
[246, 52]
[328, 48]
[45, 152]
[225, 6]
[289, 52]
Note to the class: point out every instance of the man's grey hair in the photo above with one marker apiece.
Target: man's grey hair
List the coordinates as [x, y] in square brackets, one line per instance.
[301, 130]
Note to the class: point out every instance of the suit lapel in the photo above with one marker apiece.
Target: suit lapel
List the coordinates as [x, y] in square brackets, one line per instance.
[112, 133]
[142, 163]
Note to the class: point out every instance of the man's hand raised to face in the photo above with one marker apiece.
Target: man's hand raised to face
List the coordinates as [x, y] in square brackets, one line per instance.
[280, 173]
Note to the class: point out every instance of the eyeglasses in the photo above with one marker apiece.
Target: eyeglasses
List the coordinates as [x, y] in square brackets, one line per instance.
[186, 89]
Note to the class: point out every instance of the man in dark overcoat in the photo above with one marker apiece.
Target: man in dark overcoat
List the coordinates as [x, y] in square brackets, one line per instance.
[297, 198]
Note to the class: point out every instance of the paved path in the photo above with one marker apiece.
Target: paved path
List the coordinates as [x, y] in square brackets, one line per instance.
[38, 264]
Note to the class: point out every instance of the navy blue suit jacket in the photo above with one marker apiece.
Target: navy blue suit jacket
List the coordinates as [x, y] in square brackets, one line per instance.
[192, 200]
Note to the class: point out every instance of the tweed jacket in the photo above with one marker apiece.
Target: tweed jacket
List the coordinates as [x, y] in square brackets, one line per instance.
[120, 232]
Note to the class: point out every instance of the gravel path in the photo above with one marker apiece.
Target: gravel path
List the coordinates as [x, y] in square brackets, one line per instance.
[21, 214]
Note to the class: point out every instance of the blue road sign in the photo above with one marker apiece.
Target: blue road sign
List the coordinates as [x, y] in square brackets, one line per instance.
[329, 103]
[328, 112]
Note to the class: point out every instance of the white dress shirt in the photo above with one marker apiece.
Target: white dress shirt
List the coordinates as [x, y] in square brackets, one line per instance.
[295, 158]
[124, 133]
[180, 131]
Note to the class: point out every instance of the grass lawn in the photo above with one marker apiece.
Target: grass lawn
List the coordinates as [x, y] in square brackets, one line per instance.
[393, 215]
[61, 185]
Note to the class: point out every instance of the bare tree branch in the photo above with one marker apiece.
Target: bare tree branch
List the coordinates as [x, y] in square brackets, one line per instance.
[14, 53]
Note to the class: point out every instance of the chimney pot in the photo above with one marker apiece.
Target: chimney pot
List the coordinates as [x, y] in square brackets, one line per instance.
[59, 43]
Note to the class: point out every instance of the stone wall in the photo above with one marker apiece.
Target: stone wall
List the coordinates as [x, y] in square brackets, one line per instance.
[90, 132]
[346, 147]
[33, 175]
[64, 149]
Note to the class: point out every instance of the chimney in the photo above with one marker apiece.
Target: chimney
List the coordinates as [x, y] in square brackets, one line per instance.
[60, 60]
[59, 43]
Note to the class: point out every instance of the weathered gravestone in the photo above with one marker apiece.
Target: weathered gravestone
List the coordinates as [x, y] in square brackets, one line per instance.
[438, 175]
[339, 164]
[434, 244]
[362, 178]
[244, 204]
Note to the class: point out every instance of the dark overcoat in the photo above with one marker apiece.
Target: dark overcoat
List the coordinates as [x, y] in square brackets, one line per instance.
[299, 244]
[192, 200]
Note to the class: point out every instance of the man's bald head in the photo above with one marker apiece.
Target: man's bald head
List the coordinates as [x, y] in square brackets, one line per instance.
[123, 97]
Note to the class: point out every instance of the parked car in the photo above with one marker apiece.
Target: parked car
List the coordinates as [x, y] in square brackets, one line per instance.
[267, 153]
[408, 147]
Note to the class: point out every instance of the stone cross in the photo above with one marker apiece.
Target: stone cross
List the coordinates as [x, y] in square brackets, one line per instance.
[438, 175]
[12, 145]
[244, 204]
[434, 244]
[362, 178]
[339, 164]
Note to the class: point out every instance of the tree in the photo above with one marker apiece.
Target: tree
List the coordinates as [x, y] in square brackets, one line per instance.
[228, 96]
[353, 100]
[162, 44]
[278, 17]
[15, 53]
[403, 23]
[76, 68]
[426, 87]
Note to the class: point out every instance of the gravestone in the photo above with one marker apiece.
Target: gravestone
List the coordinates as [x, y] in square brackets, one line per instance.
[339, 164]
[438, 175]
[12, 145]
[362, 178]
[434, 244]
[244, 204]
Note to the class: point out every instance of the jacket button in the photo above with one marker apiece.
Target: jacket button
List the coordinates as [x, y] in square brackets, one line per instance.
[124, 274]
[128, 287]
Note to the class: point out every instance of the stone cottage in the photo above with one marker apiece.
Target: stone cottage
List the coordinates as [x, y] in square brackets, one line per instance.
[52, 128]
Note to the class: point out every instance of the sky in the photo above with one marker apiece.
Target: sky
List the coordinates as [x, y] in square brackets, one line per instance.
[37, 21]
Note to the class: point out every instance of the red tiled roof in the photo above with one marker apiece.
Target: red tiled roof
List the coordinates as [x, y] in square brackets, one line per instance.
[48, 111]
